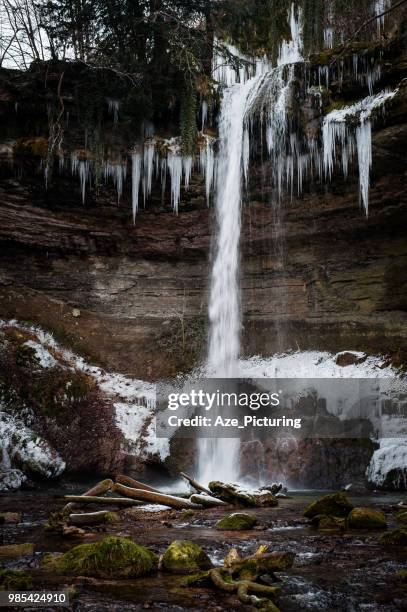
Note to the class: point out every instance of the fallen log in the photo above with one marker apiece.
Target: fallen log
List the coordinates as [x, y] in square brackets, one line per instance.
[179, 503]
[194, 484]
[93, 518]
[134, 484]
[101, 487]
[112, 501]
[206, 500]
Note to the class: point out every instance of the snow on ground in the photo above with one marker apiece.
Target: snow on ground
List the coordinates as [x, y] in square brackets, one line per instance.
[135, 399]
[314, 364]
[45, 359]
[392, 455]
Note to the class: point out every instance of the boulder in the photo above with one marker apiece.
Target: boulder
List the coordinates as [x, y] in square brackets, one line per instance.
[366, 518]
[334, 504]
[113, 557]
[14, 580]
[238, 521]
[346, 358]
[185, 557]
[234, 494]
[9, 518]
[397, 537]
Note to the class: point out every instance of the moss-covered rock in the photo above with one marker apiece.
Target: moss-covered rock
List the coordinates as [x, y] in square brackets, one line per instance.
[239, 521]
[397, 537]
[113, 557]
[185, 557]
[324, 521]
[401, 516]
[334, 504]
[13, 551]
[366, 518]
[401, 576]
[14, 580]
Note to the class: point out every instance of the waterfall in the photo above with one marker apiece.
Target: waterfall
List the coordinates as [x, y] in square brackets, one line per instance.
[219, 457]
[224, 306]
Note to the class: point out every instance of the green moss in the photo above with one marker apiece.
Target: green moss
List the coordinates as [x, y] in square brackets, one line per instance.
[401, 516]
[14, 580]
[401, 575]
[397, 537]
[324, 521]
[187, 514]
[334, 504]
[366, 518]
[185, 557]
[200, 579]
[237, 522]
[112, 557]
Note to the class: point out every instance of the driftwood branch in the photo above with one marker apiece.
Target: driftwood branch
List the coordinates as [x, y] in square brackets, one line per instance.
[242, 588]
[134, 484]
[152, 497]
[112, 501]
[90, 518]
[208, 501]
[198, 487]
[101, 487]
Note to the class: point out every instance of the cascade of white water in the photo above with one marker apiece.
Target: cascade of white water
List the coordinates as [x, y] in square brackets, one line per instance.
[220, 456]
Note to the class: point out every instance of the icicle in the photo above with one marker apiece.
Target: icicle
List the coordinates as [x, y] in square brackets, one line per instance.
[174, 163]
[207, 165]
[379, 7]
[364, 146]
[83, 169]
[335, 129]
[204, 113]
[118, 173]
[113, 108]
[135, 181]
[187, 168]
[148, 165]
[328, 37]
[291, 51]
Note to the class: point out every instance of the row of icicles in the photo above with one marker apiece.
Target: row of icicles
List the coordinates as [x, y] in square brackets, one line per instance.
[346, 133]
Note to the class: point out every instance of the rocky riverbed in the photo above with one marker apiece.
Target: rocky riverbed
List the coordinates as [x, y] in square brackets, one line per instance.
[333, 569]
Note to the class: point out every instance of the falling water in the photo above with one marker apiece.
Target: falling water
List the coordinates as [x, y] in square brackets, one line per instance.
[219, 457]
[224, 307]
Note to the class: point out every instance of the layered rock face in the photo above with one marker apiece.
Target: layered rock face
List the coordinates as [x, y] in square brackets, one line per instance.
[337, 282]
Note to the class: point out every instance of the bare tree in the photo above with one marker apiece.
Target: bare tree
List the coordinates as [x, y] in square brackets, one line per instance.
[23, 38]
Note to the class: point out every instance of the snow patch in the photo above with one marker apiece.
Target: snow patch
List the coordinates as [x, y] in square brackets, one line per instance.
[46, 360]
[390, 457]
